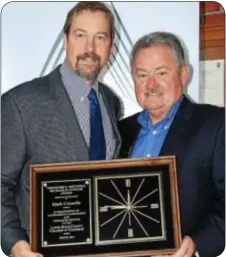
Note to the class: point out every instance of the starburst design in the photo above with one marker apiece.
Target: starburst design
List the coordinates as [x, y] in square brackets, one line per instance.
[129, 208]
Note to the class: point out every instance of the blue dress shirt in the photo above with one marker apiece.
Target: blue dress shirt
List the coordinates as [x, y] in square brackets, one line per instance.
[151, 137]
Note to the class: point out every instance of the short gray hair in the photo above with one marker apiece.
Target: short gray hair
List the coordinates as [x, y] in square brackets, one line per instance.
[160, 38]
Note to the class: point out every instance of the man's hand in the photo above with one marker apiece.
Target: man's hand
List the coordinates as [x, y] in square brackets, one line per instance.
[186, 249]
[22, 249]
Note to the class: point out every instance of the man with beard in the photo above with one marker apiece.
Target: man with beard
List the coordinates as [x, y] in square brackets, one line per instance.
[62, 117]
[172, 125]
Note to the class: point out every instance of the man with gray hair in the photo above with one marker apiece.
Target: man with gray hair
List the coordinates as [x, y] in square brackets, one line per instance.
[170, 124]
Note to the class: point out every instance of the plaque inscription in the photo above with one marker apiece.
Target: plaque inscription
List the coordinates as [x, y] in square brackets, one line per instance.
[66, 213]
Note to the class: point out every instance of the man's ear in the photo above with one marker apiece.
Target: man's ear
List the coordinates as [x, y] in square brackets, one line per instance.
[65, 42]
[184, 73]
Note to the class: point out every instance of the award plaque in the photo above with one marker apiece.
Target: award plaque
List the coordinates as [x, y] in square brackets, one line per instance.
[123, 207]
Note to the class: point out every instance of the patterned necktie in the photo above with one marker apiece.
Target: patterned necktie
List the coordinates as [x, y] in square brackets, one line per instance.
[97, 146]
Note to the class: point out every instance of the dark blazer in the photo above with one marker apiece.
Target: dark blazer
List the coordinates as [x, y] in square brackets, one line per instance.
[39, 125]
[197, 139]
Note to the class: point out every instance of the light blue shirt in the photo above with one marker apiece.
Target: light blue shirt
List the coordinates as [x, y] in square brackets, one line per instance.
[78, 93]
[151, 137]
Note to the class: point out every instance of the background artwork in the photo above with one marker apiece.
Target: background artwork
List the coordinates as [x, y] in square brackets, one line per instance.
[32, 40]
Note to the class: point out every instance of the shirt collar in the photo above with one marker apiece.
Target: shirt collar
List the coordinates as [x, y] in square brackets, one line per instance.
[77, 83]
[144, 120]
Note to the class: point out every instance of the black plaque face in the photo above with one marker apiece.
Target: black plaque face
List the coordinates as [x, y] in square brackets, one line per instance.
[66, 213]
[129, 209]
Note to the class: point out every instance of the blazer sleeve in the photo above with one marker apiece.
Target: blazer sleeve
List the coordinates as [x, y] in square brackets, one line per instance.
[13, 155]
[210, 237]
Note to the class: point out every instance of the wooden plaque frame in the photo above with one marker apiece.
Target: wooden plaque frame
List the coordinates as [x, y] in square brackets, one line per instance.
[88, 170]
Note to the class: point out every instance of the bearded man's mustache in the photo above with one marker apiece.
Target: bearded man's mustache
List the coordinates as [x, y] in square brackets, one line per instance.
[94, 57]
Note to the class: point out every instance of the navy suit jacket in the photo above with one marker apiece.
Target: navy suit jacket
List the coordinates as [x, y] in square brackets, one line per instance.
[197, 139]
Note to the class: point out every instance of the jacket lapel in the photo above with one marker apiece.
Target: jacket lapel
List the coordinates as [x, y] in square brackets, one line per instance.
[177, 136]
[66, 113]
[113, 121]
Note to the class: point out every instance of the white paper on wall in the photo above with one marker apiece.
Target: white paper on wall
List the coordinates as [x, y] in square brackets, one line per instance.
[212, 82]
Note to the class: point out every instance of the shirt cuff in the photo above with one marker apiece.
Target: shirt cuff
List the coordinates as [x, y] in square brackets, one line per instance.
[196, 254]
